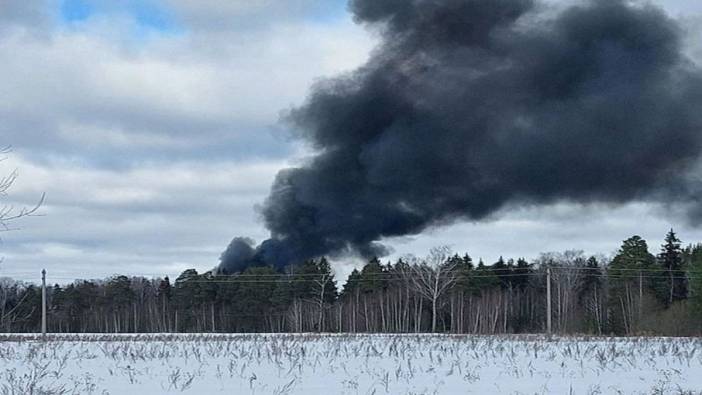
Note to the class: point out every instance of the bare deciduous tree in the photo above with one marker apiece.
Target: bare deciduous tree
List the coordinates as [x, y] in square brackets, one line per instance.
[566, 280]
[8, 212]
[432, 277]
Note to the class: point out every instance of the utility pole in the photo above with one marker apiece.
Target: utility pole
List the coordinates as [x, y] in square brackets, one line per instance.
[43, 303]
[640, 295]
[548, 300]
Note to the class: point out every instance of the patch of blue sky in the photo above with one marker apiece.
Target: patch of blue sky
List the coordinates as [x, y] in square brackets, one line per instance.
[75, 10]
[149, 16]
[329, 11]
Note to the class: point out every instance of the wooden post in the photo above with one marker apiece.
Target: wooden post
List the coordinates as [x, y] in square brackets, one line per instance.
[548, 300]
[43, 304]
[640, 296]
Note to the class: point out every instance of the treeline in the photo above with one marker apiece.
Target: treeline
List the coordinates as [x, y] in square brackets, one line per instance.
[635, 292]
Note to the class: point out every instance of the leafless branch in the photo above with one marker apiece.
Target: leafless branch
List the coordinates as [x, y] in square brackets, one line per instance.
[431, 277]
[9, 213]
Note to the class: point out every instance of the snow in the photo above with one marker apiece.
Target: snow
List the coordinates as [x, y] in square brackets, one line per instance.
[347, 364]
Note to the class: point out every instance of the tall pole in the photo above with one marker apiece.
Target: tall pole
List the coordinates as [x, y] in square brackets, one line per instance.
[640, 295]
[548, 300]
[43, 303]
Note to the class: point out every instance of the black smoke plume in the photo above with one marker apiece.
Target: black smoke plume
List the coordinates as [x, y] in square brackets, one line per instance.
[470, 105]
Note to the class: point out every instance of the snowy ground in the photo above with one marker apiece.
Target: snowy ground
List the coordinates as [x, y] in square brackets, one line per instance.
[343, 364]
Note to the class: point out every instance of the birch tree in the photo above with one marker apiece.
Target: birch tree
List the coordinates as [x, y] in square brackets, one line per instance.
[432, 277]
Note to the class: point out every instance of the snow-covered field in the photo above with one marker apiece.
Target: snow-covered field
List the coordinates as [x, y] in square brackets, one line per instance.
[348, 364]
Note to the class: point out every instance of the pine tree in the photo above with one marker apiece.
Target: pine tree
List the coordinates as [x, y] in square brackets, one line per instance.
[521, 273]
[485, 277]
[351, 295]
[694, 264]
[373, 276]
[119, 292]
[673, 285]
[253, 298]
[464, 270]
[630, 274]
[314, 283]
[590, 296]
[163, 293]
[353, 282]
[185, 291]
[503, 271]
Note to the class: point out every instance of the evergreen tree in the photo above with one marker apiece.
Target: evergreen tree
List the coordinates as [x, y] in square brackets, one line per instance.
[314, 277]
[503, 272]
[631, 274]
[592, 277]
[30, 316]
[373, 277]
[120, 294]
[633, 254]
[694, 264]
[118, 291]
[281, 299]
[164, 289]
[485, 277]
[521, 274]
[326, 280]
[591, 296]
[672, 286]
[350, 296]
[163, 294]
[353, 283]
[314, 283]
[185, 291]
[253, 298]
[464, 272]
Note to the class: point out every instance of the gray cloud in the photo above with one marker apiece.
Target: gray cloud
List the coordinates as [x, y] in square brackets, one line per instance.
[223, 15]
[32, 14]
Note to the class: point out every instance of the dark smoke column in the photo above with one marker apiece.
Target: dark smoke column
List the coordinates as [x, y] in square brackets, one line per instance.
[469, 105]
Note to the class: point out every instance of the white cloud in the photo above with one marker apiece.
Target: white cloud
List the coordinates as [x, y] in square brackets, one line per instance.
[527, 231]
[149, 217]
[152, 152]
[58, 90]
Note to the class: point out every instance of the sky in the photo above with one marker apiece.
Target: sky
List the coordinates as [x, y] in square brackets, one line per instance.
[153, 127]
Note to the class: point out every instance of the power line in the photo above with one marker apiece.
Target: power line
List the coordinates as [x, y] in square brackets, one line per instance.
[485, 269]
[405, 278]
[487, 272]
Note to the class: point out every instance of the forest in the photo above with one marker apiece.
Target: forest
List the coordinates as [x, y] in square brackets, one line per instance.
[632, 293]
